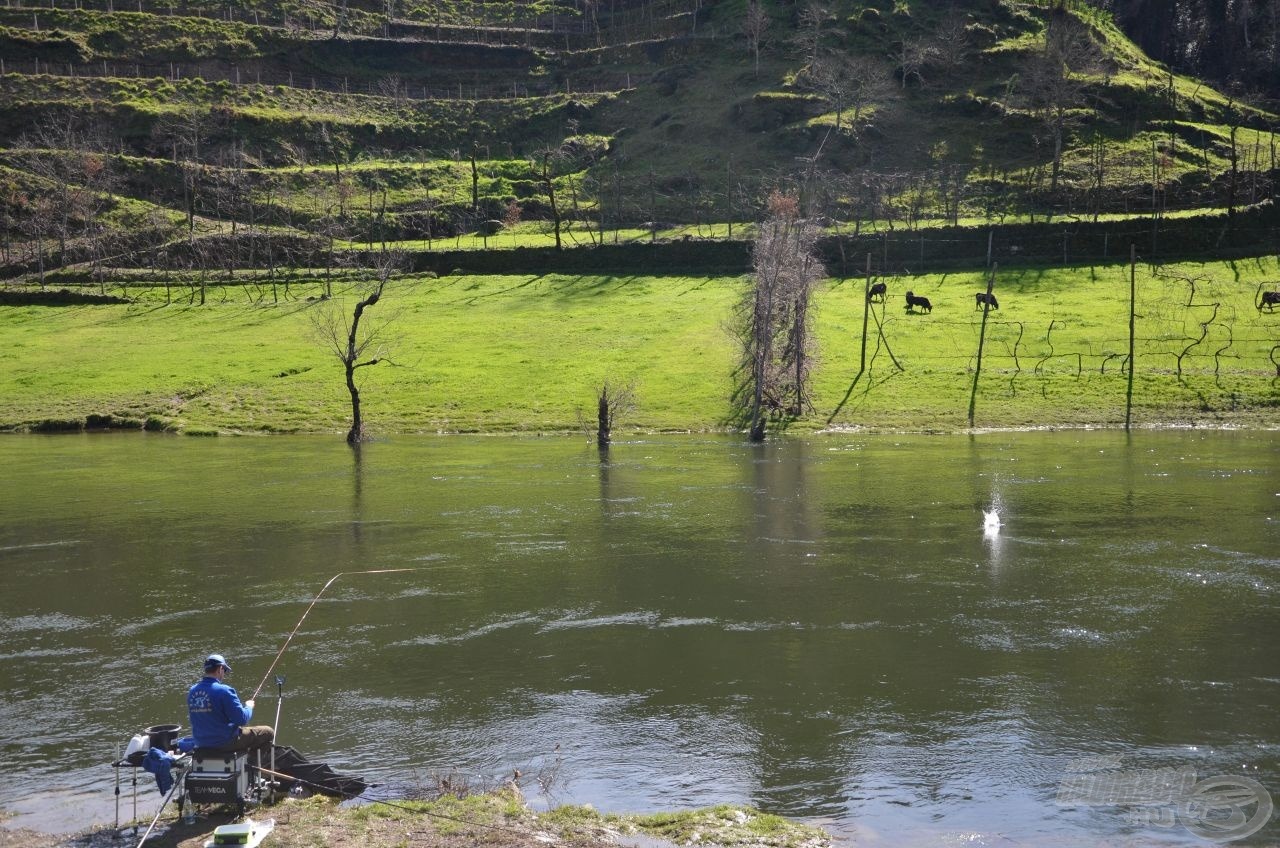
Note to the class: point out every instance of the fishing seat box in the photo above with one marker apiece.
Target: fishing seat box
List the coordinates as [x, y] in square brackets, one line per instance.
[218, 777]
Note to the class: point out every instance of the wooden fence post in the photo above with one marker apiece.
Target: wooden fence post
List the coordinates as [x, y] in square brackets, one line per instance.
[1133, 291]
[982, 336]
[866, 307]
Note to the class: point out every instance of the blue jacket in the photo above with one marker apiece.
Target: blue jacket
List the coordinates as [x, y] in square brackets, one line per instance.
[216, 713]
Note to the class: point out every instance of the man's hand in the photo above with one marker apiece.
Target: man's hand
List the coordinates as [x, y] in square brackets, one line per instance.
[249, 703]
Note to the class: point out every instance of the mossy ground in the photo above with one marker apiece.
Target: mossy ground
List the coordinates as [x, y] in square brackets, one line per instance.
[499, 819]
[526, 354]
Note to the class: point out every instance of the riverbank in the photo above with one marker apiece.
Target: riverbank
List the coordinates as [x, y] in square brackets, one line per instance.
[500, 819]
[527, 354]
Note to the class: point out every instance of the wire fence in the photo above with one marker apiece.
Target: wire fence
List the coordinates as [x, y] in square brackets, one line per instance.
[1204, 338]
[916, 251]
[631, 22]
[393, 87]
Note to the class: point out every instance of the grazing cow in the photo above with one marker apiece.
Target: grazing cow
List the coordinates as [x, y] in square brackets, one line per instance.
[1270, 300]
[879, 290]
[922, 302]
[980, 298]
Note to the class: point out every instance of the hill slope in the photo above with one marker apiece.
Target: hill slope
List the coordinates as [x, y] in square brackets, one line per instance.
[126, 125]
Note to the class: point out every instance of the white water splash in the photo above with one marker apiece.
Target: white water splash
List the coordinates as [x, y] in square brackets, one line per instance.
[990, 522]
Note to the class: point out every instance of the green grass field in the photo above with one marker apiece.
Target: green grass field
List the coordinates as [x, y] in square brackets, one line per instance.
[526, 353]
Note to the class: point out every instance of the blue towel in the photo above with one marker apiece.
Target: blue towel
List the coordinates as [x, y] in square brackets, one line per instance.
[160, 763]
[187, 744]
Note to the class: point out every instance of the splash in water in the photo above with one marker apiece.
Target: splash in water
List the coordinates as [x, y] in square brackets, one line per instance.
[990, 521]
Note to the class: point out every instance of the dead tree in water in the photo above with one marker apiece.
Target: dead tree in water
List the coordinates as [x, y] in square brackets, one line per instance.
[353, 348]
[774, 323]
[611, 402]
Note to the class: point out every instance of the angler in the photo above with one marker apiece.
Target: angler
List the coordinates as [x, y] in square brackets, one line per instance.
[225, 761]
[218, 719]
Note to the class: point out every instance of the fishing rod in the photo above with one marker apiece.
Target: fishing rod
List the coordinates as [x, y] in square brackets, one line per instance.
[176, 783]
[275, 728]
[289, 639]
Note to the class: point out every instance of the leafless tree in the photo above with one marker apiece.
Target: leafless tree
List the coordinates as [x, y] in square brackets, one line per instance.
[393, 88]
[912, 55]
[37, 224]
[185, 135]
[357, 347]
[951, 43]
[1052, 81]
[808, 35]
[157, 227]
[67, 156]
[755, 26]
[848, 82]
[775, 322]
[612, 401]
[15, 204]
[582, 171]
[546, 162]
[591, 19]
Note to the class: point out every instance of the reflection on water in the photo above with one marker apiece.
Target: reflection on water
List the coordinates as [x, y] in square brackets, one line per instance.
[823, 628]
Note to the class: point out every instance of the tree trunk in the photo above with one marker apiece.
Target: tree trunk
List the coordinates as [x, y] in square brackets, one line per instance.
[475, 184]
[602, 419]
[1057, 160]
[356, 434]
[548, 182]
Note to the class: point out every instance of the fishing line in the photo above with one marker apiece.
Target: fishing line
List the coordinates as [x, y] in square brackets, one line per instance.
[407, 809]
[289, 639]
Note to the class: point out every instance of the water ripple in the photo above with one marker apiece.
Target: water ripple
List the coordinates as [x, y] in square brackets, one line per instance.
[55, 621]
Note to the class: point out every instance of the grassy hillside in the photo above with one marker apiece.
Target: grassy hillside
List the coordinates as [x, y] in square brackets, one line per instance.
[526, 353]
[198, 157]
[471, 116]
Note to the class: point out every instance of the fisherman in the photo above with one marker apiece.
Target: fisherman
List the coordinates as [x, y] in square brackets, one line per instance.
[218, 718]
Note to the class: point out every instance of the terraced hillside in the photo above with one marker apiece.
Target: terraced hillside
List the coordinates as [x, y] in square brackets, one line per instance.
[149, 133]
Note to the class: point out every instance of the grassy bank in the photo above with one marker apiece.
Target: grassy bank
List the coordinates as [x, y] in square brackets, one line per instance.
[499, 819]
[525, 354]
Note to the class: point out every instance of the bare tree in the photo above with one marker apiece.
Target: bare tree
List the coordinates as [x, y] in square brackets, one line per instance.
[356, 348]
[186, 135]
[1053, 84]
[612, 401]
[951, 43]
[157, 227]
[848, 82]
[15, 205]
[808, 36]
[775, 319]
[394, 88]
[912, 55]
[754, 26]
[591, 16]
[547, 176]
[67, 156]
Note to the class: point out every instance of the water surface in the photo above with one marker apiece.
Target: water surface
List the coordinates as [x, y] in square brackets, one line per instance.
[818, 628]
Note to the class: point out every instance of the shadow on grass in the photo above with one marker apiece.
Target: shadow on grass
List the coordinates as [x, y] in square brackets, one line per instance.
[475, 298]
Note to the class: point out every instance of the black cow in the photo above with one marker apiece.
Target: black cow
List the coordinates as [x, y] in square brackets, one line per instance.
[922, 302]
[1270, 300]
[877, 290]
[980, 298]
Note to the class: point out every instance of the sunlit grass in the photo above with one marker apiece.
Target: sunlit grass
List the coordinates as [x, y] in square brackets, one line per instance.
[526, 352]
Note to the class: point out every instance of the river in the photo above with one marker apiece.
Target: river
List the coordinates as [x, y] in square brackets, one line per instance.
[819, 627]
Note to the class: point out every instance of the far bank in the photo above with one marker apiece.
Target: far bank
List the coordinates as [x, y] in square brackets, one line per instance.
[528, 353]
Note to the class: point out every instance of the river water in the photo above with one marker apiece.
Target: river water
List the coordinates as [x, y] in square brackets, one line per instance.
[820, 628]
